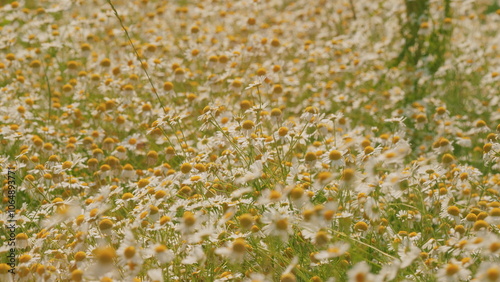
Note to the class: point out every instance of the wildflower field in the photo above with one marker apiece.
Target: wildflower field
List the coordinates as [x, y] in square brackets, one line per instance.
[250, 140]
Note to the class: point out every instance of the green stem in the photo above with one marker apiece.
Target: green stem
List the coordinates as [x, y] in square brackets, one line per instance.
[138, 56]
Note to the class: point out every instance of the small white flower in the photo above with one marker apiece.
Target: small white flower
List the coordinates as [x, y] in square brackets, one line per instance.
[257, 83]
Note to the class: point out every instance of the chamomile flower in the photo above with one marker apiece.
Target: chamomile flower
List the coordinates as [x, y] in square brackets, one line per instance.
[333, 251]
[335, 157]
[156, 274]
[129, 254]
[453, 271]
[195, 255]
[235, 250]
[160, 252]
[360, 272]
[277, 224]
[488, 271]
[256, 83]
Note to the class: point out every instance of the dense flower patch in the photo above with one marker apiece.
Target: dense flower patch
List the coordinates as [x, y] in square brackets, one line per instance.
[264, 140]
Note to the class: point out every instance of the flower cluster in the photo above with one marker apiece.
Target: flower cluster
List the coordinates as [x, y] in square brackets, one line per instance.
[250, 141]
